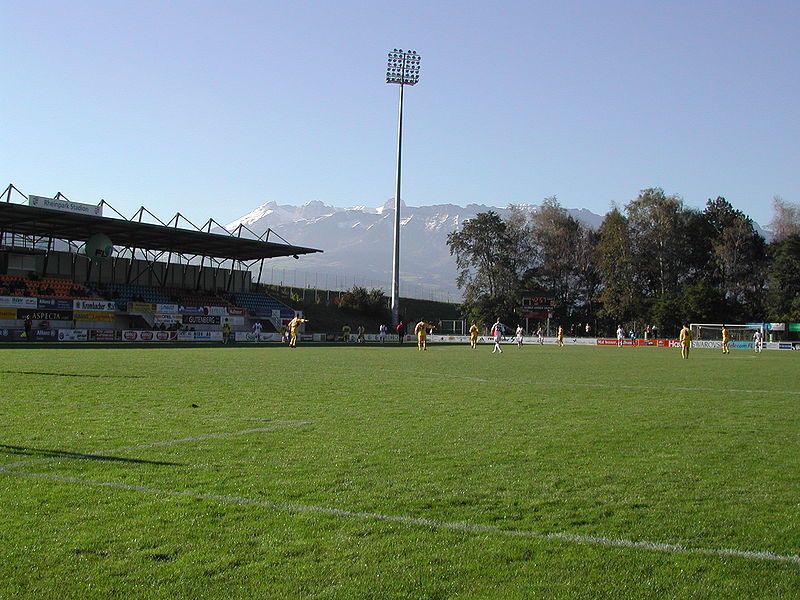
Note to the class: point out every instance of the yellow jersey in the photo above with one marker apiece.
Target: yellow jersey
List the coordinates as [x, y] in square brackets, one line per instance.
[295, 323]
[421, 329]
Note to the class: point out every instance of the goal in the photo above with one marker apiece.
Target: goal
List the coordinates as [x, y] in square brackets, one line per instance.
[737, 332]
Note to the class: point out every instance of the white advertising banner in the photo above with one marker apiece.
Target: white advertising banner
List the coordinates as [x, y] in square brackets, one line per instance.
[65, 206]
[168, 309]
[207, 336]
[199, 336]
[18, 302]
[167, 320]
[246, 336]
[99, 305]
[73, 335]
[133, 335]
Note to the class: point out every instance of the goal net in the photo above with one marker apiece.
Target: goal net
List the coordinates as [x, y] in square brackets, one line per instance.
[713, 331]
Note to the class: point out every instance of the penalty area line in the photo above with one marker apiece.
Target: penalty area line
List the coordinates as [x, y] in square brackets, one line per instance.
[423, 522]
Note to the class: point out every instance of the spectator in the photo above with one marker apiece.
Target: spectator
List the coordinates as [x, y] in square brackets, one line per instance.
[28, 324]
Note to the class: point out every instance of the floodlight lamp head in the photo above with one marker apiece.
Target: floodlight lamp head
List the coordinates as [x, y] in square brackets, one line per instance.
[403, 67]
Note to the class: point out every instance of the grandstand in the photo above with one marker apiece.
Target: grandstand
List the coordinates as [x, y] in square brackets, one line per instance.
[161, 282]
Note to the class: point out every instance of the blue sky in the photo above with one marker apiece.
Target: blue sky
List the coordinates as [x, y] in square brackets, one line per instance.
[212, 108]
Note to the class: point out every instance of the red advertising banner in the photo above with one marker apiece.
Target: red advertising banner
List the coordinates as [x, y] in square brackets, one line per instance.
[130, 335]
[629, 342]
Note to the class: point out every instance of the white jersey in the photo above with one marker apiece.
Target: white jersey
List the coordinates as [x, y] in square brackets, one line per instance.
[497, 331]
[757, 339]
[520, 333]
[257, 328]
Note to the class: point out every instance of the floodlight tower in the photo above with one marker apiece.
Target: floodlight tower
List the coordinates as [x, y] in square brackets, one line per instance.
[403, 69]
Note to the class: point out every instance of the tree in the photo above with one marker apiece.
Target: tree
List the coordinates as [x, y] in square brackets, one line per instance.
[657, 240]
[360, 300]
[786, 221]
[562, 258]
[738, 256]
[489, 257]
[783, 298]
[618, 295]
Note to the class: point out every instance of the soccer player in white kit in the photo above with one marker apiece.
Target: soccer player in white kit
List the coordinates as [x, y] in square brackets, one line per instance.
[758, 340]
[497, 333]
[518, 337]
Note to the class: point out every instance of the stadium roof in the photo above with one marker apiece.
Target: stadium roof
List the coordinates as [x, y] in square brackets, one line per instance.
[31, 220]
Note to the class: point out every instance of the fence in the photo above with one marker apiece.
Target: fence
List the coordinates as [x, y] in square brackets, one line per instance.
[300, 281]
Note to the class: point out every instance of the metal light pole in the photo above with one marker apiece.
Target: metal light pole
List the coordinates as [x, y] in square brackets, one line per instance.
[403, 69]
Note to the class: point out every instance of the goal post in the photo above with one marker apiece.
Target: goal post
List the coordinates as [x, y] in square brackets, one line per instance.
[452, 327]
[738, 332]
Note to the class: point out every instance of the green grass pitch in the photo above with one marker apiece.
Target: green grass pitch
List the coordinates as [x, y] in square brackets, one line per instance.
[385, 472]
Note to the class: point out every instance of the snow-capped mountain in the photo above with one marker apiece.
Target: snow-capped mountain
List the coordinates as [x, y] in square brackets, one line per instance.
[357, 244]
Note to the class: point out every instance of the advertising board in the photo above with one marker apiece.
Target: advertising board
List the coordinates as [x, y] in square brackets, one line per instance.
[135, 335]
[65, 205]
[17, 302]
[201, 320]
[102, 335]
[54, 303]
[141, 307]
[45, 314]
[95, 305]
[168, 309]
[93, 315]
[73, 335]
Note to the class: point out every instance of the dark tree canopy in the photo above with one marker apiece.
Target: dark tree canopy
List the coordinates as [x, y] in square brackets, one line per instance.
[655, 262]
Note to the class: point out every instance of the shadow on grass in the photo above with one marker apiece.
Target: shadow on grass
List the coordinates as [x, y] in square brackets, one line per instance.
[25, 451]
[73, 374]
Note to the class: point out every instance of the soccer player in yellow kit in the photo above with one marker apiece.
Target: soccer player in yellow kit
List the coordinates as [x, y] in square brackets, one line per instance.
[421, 329]
[293, 325]
[725, 339]
[686, 341]
[560, 336]
[473, 335]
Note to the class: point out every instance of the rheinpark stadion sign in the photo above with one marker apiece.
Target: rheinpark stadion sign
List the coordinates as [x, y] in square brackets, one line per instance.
[66, 206]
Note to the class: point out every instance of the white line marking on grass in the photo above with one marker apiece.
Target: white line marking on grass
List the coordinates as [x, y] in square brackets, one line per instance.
[451, 376]
[422, 522]
[199, 438]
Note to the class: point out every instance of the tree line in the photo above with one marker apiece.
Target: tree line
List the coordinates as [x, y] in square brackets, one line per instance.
[656, 261]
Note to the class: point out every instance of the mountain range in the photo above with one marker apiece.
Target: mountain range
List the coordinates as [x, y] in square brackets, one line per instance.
[357, 244]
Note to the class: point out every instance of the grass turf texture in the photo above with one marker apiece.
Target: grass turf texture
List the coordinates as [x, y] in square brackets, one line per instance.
[625, 444]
